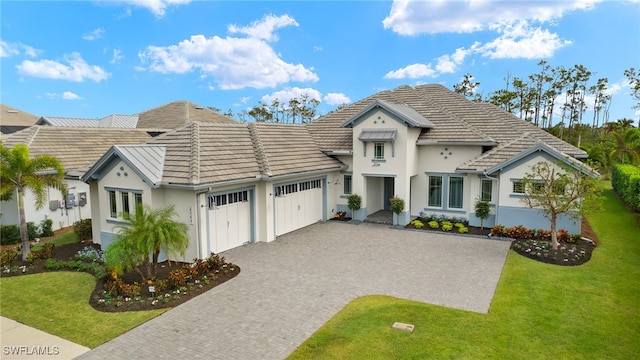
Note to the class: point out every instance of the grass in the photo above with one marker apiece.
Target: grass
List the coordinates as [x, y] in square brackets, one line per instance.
[58, 303]
[539, 311]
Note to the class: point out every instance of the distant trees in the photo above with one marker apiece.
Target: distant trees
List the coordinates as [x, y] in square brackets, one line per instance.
[295, 111]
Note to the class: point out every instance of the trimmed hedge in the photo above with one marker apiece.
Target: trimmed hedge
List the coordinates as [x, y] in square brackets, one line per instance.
[625, 180]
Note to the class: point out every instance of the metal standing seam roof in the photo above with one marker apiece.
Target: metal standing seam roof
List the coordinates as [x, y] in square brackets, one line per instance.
[119, 121]
[377, 135]
[68, 122]
[403, 112]
[148, 159]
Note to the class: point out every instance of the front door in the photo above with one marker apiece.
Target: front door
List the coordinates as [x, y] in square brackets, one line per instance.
[389, 191]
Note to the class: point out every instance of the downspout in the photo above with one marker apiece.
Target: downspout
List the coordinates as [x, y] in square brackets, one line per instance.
[484, 172]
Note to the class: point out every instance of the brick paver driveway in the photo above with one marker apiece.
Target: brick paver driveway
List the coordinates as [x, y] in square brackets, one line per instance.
[288, 288]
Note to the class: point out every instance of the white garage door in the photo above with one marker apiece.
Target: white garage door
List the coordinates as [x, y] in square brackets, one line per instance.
[298, 205]
[229, 220]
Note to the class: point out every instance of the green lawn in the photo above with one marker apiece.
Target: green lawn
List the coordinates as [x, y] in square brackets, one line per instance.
[539, 311]
[58, 303]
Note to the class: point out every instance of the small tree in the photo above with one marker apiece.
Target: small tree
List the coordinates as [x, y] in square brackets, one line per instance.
[396, 205]
[354, 202]
[557, 189]
[148, 233]
[20, 172]
[482, 211]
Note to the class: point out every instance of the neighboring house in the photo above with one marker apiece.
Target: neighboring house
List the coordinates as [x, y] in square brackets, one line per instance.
[77, 149]
[157, 120]
[242, 183]
[12, 119]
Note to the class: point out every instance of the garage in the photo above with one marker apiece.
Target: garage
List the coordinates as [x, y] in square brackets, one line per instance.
[297, 205]
[228, 220]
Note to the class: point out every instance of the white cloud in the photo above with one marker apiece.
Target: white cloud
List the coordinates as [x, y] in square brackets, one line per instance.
[432, 17]
[413, 71]
[68, 95]
[521, 41]
[264, 29]
[77, 70]
[117, 56]
[157, 7]
[9, 49]
[233, 62]
[283, 96]
[336, 99]
[93, 34]
[319, 48]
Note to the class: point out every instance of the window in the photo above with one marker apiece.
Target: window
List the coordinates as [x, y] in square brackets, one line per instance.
[538, 187]
[125, 205]
[518, 187]
[347, 184]
[137, 199]
[378, 151]
[456, 189]
[486, 190]
[435, 191]
[112, 204]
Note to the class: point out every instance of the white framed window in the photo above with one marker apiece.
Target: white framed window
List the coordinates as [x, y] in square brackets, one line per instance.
[378, 151]
[113, 206]
[518, 186]
[120, 206]
[435, 191]
[486, 190]
[456, 192]
[126, 211]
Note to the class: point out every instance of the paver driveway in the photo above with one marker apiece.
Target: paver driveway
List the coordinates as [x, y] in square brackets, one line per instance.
[288, 288]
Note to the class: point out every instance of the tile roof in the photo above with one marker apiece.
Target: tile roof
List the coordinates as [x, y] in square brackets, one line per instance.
[12, 116]
[75, 147]
[176, 114]
[456, 120]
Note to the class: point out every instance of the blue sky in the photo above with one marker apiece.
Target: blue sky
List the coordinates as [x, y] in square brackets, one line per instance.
[95, 58]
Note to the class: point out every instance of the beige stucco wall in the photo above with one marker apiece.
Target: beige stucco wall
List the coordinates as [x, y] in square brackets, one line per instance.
[506, 186]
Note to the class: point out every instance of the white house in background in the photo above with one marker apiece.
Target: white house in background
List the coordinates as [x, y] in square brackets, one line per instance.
[243, 183]
[79, 142]
[77, 149]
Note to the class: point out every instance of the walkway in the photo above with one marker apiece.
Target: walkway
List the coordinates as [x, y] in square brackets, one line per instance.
[287, 289]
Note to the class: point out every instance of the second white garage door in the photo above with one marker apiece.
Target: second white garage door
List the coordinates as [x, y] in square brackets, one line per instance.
[229, 220]
[297, 205]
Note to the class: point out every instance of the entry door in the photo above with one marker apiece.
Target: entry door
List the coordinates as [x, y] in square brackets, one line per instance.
[389, 191]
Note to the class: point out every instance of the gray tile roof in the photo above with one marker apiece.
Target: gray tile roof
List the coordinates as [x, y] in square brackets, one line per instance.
[76, 148]
[176, 114]
[455, 119]
[12, 116]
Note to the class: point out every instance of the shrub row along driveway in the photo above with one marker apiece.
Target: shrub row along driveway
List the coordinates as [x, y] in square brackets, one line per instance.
[287, 289]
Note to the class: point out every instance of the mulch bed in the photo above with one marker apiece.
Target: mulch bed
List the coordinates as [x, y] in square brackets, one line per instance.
[68, 251]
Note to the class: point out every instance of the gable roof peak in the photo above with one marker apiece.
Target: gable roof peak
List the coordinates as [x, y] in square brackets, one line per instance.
[402, 112]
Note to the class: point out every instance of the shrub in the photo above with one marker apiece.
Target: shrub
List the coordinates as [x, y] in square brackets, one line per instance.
[625, 180]
[447, 226]
[433, 224]
[8, 256]
[9, 234]
[82, 229]
[575, 238]
[32, 230]
[396, 204]
[215, 261]
[563, 235]
[54, 265]
[354, 202]
[340, 215]
[519, 232]
[498, 230]
[417, 224]
[463, 230]
[46, 228]
[483, 211]
[543, 234]
[458, 225]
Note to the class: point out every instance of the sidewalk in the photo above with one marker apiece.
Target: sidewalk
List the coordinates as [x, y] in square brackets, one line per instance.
[20, 341]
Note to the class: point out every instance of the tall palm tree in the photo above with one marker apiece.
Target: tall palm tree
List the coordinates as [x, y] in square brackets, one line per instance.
[627, 146]
[19, 172]
[149, 232]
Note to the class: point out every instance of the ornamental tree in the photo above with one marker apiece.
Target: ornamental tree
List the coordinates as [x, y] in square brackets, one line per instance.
[557, 189]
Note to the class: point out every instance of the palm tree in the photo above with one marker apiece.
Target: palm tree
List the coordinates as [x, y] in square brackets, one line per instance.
[627, 146]
[148, 232]
[19, 172]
